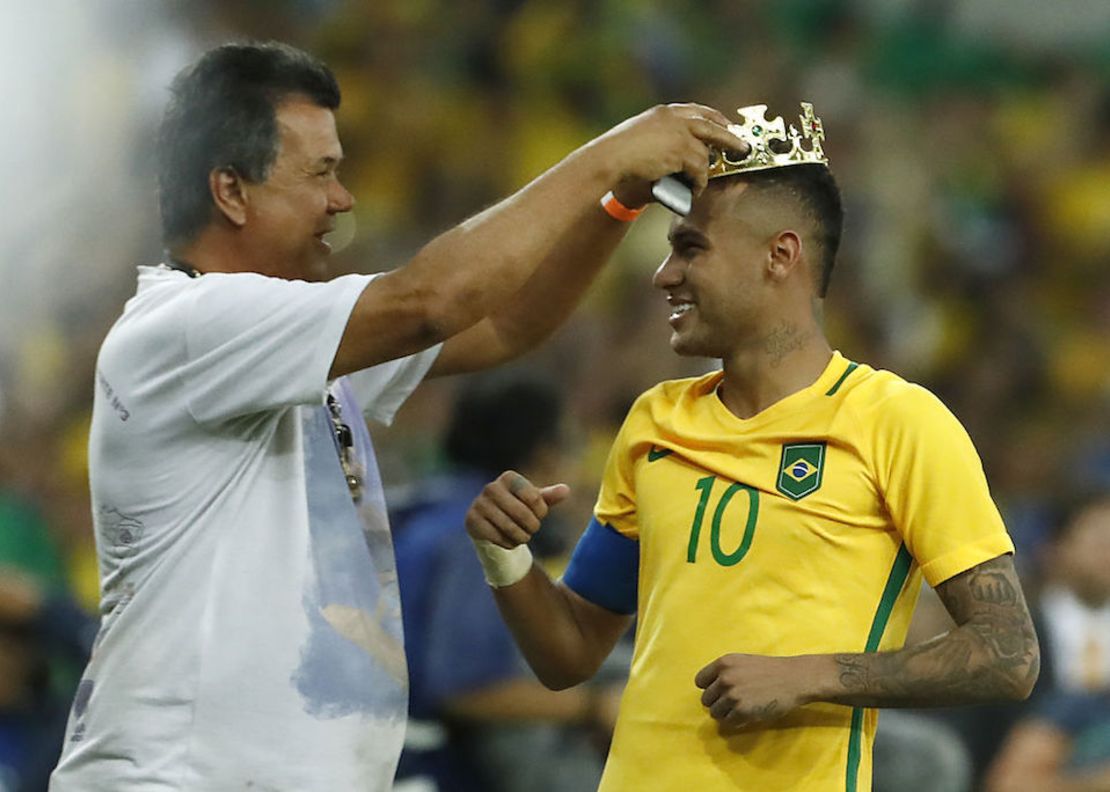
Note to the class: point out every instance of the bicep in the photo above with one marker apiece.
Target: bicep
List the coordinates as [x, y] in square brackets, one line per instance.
[990, 590]
[474, 349]
[600, 584]
[601, 627]
[393, 317]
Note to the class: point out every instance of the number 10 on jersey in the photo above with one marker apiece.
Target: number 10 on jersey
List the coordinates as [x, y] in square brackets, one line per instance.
[705, 486]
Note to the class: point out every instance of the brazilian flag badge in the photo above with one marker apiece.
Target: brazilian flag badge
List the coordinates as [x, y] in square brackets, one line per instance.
[801, 469]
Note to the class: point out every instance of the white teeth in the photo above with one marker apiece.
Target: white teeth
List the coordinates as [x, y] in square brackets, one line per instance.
[680, 309]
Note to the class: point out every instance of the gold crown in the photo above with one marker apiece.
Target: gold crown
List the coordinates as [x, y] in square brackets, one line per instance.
[773, 144]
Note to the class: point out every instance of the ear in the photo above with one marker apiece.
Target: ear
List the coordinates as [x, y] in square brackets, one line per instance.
[229, 195]
[786, 255]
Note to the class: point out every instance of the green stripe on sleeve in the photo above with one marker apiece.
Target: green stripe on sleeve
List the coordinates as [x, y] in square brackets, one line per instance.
[899, 571]
[851, 367]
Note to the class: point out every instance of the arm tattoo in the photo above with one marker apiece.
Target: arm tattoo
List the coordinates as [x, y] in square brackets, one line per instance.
[991, 655]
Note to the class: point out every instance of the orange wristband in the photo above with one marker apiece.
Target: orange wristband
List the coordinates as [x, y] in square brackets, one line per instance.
[618, 211]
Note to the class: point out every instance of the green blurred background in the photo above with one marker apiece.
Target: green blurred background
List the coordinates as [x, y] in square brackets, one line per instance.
[971, 140]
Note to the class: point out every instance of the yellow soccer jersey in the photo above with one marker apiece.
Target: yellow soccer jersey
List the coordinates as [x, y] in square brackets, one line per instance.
[804, 529]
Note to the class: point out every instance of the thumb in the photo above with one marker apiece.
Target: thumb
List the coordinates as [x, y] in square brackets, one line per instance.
[555, 493]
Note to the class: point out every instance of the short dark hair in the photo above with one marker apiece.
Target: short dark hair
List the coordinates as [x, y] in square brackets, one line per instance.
[500, 420]
[817, 194]
[222, 114]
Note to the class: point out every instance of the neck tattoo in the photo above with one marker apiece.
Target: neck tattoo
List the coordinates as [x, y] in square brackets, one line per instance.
[782, 339]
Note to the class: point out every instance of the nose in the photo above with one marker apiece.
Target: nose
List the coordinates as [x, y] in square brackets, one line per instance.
[670, 273]
[340, 199]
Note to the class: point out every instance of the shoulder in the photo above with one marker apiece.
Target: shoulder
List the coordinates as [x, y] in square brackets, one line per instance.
[156, 311]
[878, 395]
[222, 287]
[658, 409]
[676, 394]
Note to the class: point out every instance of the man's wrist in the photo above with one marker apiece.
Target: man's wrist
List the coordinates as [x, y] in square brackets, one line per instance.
[634, 195]
[617, 210]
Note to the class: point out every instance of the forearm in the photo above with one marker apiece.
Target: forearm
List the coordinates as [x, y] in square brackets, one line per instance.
[556, 219]
[964, 666]
[992, 655]
[557, 286]
[547, 629]
[563, 636]
[524, 320]
[475, 268]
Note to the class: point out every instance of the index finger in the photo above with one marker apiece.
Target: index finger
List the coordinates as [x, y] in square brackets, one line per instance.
[718, 137]
[695, 110]
[706, 676]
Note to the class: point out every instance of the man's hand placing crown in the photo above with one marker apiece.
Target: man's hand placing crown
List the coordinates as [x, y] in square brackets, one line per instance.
[666, 139]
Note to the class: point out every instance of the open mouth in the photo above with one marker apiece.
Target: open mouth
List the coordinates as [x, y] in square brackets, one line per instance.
[679, 310]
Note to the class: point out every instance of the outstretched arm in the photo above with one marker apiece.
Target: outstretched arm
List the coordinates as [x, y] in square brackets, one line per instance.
[991, 655]
[528, 317]
[563, 636]
[475, 269]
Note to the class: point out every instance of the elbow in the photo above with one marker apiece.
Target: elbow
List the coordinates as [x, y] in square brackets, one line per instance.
[1021, 678]
[445, 312]
[562, 680]
[452, 299]
[565, 675]
[1027, 681]
[557, 682]
[429, 313]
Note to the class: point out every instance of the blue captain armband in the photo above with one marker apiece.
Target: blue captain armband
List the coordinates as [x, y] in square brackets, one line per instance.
[605, 568]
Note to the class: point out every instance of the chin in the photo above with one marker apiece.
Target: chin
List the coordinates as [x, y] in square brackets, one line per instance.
[688, 347]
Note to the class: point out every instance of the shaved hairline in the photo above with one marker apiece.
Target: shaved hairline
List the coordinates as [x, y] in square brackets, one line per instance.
[760, 206]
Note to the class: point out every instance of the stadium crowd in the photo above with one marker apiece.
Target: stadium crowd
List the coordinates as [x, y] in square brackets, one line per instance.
[975, 261]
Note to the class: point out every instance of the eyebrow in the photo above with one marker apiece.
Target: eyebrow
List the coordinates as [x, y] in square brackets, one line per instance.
[328, 161]
[681, 232]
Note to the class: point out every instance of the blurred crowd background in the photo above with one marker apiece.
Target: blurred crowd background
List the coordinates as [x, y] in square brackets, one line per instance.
[971, 140]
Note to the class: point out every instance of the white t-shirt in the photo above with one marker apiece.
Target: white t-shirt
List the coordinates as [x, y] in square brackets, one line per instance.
[251, 627]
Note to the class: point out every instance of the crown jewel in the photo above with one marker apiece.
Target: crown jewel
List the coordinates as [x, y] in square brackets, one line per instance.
[773, 144]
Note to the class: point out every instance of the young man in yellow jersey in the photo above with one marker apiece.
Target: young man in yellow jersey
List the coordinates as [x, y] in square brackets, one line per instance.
[767, 524]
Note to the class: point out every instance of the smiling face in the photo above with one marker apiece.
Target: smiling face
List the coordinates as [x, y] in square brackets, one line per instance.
[288, 214]
[719, 278]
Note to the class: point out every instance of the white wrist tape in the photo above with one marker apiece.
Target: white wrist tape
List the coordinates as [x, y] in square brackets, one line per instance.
[503, 567]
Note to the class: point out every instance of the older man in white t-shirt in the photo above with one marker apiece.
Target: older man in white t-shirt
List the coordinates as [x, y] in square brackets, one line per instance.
[251, 632]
